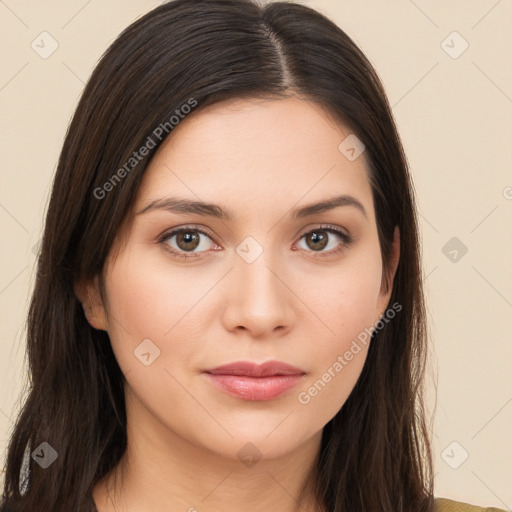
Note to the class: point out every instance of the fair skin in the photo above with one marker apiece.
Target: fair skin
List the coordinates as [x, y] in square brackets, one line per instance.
[260, 160]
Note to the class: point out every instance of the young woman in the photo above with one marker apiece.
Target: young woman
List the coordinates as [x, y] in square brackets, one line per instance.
[228, 312]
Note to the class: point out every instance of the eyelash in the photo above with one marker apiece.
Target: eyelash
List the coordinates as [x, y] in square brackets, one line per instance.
[346, 239]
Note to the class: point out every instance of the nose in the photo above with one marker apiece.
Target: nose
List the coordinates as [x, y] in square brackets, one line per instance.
[258, 299]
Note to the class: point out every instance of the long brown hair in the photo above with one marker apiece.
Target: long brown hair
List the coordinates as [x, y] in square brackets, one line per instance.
[375, 453]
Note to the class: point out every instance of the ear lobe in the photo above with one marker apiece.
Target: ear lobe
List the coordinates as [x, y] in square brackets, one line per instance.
[88, 293]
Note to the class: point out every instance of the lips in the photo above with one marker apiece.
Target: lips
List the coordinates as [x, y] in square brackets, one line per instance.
[248, 369]
[251, 381]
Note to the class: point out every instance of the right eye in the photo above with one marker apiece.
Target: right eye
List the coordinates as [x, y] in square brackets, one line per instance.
[182, 242]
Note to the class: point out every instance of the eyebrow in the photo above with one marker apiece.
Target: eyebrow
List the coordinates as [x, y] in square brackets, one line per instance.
[190, 207]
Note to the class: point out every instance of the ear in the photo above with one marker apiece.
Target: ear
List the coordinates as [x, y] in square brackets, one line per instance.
[387, 281]
[88, 293]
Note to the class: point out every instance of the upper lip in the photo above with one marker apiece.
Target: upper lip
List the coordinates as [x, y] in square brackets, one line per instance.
[250, 369]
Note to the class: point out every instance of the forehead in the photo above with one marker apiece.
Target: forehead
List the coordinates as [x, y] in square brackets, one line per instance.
[256, 153]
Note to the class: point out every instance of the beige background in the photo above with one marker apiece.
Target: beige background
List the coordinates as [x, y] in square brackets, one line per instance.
[454, 115]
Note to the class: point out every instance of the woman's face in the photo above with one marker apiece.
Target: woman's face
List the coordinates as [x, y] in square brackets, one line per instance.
[267, 281]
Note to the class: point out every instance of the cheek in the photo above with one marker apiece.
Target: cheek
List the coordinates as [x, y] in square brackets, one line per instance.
[337, 359]
[348, 306]
[153, 333]
[344, 297]
[151, 300]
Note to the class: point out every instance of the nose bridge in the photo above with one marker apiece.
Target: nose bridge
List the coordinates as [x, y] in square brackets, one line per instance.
[253, 265]
[257, 298]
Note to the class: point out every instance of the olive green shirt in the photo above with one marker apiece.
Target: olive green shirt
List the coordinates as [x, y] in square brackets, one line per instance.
[446, 505]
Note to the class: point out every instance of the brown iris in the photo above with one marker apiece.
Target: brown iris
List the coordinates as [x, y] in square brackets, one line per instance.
[319, 241]
[190, 239]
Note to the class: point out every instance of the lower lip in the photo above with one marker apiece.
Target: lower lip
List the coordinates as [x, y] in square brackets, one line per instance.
[255, 388]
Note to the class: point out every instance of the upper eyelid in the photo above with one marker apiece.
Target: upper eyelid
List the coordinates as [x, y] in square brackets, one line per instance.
[174, 231]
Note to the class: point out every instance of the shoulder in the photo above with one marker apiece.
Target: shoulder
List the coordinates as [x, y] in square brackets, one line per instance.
[446, 505]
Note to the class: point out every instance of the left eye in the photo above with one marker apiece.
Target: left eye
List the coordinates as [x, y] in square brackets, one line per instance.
[318, 239]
